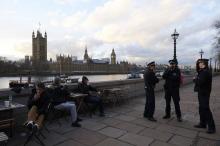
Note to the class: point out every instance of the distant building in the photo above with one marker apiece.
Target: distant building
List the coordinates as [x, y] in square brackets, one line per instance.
[74, 58]
[27, 59]
[113, 57]
[86, 56]
[100, 61]
[39, 49]
[65, 64]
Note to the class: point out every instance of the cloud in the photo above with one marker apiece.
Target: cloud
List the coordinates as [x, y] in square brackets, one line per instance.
[74, 20]
[64, 2]
[69, 2]
[138, 30]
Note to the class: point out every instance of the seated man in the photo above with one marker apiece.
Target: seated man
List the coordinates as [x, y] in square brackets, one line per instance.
[59, 99]
[37, 105]
[85, 88]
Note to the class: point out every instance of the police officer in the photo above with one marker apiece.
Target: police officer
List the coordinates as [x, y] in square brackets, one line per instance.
[203, 85]
[172, 78]
[150, 81]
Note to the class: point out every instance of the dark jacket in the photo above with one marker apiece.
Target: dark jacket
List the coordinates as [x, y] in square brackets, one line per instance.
[150, 79]
[85, 89]
[59, 94]
[203, 81]
[172, 78]
[41, 103]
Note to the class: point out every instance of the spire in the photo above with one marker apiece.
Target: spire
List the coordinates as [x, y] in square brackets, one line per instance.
[45, 34]
[39, 25]
[33, 35]
[113, 52]
[86, 56]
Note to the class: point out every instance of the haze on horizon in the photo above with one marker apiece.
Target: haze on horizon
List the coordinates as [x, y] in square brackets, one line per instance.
[138, 30]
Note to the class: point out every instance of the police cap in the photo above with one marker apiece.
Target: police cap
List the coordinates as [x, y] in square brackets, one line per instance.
[151, 63]
[173, 61]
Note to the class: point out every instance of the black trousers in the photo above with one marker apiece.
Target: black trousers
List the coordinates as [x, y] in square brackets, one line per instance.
[97, 101]
[150, 103]
[205, 113]
[174, 93]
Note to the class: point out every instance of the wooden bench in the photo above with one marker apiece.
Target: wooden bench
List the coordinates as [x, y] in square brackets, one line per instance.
[3, 138]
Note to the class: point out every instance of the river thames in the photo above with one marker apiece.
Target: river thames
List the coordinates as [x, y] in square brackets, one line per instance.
[4, 81]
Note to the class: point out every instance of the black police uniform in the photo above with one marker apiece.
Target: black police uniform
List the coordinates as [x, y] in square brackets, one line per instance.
[150, 81]
[203, 83]
[172, 85]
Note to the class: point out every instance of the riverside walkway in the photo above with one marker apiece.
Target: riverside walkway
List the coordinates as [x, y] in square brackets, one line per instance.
[125, 126]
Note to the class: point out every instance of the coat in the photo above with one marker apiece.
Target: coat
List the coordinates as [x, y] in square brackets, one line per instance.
[172, 78]
[41, 103]
[203, 81]
[150, 79]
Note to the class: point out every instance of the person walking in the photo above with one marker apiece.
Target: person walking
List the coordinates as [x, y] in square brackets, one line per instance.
[203, 85]
[172, 76]
[150, 81]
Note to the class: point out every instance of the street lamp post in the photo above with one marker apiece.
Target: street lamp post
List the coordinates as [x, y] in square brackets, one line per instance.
[215, 70]
[175, 36]
[201, 53]
[210, 64]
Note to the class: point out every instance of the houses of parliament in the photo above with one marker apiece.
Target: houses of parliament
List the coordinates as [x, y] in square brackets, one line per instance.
[67, 64]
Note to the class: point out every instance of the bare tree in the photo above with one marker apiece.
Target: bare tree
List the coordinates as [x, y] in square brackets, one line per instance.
[216, 44]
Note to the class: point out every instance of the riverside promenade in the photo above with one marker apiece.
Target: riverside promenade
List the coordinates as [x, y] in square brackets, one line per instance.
[125, 126]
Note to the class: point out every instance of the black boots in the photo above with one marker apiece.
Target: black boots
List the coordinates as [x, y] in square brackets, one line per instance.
[152, 119]
[209, 131]
[200, 126]
[166, 117]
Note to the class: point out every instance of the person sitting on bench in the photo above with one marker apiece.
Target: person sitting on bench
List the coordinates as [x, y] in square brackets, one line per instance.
[37, 105]
[59, 100]
[85, 88]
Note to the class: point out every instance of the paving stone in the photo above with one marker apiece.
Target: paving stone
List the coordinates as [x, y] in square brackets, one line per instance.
[125, 118]
[191, 117]
[178, 130]
[92, 125]
[159, 116]
[121, 110]
[112, 142]
[111, 121]
[63, 128]
[156, 134]
[181, 141]
[124, 110]
[215, 136]
[136, 139]
[133, 128]
[185, 124]
[111, 114]
[112, 132]
[139, 108]
[70, 143]
[137, 114]
[206, 142]
[85, 136]
[160, 143]
[51, 139]
[146, 123]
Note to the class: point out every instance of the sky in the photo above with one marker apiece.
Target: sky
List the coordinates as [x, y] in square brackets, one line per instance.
[138, 30]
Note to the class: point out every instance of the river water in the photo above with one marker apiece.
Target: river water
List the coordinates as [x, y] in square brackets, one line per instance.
[4, 81]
